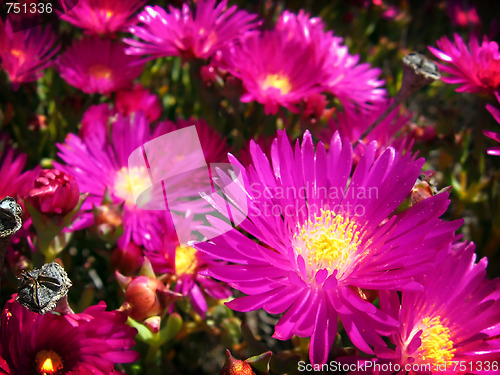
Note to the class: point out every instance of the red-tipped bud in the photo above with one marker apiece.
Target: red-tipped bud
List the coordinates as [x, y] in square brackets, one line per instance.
[54, 193]
[234, 366]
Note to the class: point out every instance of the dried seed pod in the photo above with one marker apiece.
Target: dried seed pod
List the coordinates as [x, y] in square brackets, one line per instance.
[10, 223]
[41, 289]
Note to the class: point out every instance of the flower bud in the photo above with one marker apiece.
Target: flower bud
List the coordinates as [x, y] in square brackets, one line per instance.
[108, 222]
[128, 260]
[55, 193]
[141, 298]
[234, 366]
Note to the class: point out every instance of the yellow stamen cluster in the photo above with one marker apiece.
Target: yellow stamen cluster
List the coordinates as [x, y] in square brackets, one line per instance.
[48, 362]
[128, 179]
[99, 71]
[185, 260]
[278, 81]
[328, 242]
[437, 346]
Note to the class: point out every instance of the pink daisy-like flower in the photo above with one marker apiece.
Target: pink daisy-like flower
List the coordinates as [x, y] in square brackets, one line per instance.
[476, 68]
[24, 54]
[99, 163]
[103, 16]
[185, 264]
[351, 82]
[323, 236]
[452, 326]
[390, 132]
[180, 33]
[495, 136]
[298, 59]
[278, 71]
[92, 341]
[96, 65]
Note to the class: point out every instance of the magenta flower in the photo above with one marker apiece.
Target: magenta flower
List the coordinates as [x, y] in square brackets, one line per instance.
[324, 236]
[278, 71]
[24, 54]
[99, 163]
[94, 119]
[351, 82]
[455, 318]
[495, 136]
[351, 124]
[93, 340]
[103, 16]
[96, 65]
[185, 266]
[463, 14]
[187, 33]
[476, 68]
[297, 59]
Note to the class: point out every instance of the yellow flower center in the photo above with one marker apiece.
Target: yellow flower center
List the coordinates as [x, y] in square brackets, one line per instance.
[330, 241]
[48, 362]
[436, 346]
[185, 260]
[128, 181]
[277, 81]
[20, 55]
[99, 71]
[108, 14]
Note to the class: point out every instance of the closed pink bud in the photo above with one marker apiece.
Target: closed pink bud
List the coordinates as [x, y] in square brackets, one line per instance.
[55, 192]
[141, 297]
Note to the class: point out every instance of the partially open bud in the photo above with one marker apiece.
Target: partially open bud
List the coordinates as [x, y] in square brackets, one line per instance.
[54, 193]
[146, 297]
[141, 297]
[234, 366]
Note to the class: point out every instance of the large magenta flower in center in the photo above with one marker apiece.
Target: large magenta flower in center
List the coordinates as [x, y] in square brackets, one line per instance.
[324, 236]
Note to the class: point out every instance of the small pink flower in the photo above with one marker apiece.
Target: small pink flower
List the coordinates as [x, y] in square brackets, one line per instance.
[495, 136]
[24, 54]
[476, 68]
[103, 16]
[96, 65]
[187, 33]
